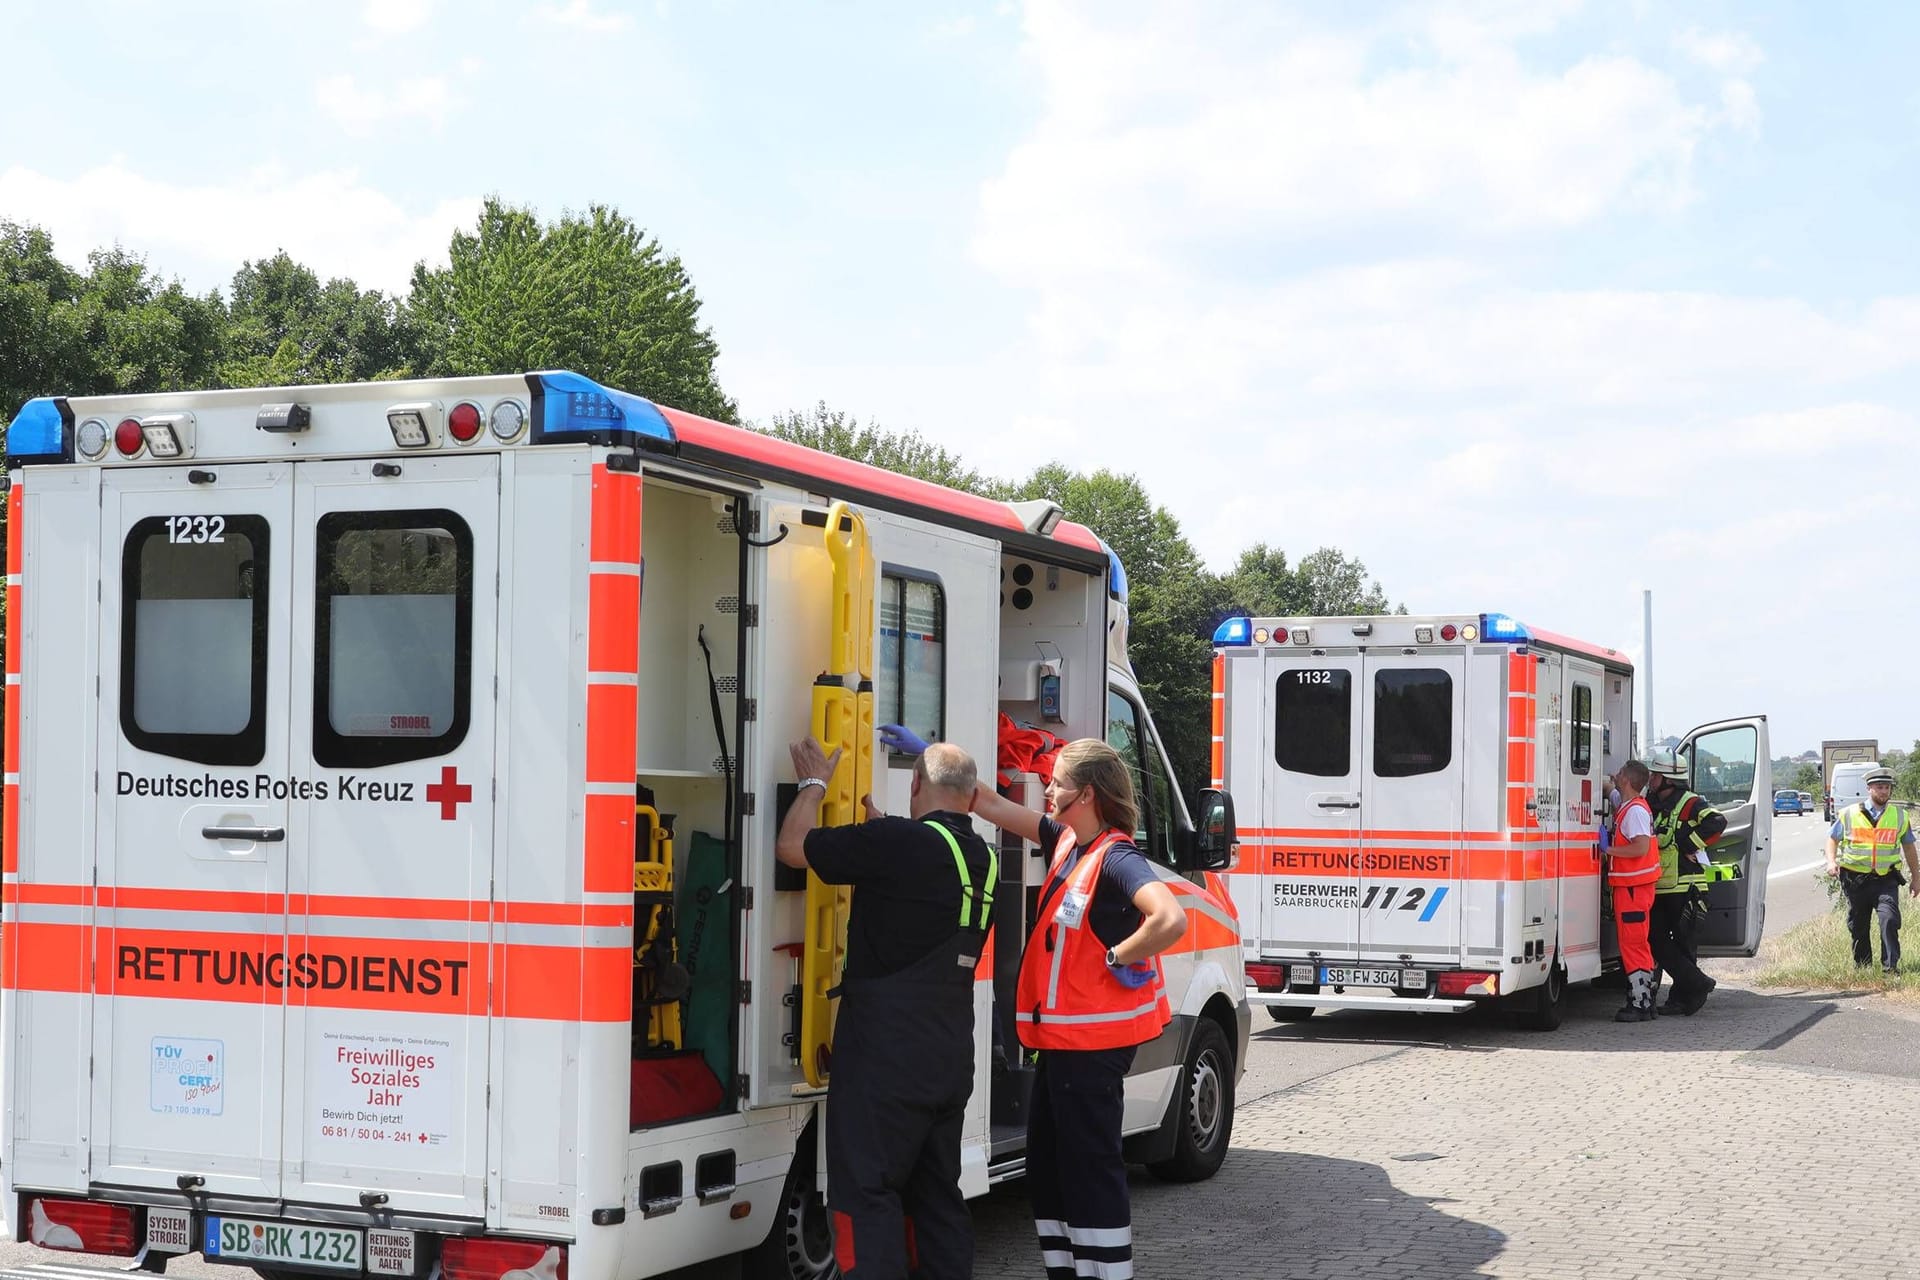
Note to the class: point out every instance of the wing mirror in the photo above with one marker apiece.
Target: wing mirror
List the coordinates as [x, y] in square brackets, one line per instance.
[1216, 843]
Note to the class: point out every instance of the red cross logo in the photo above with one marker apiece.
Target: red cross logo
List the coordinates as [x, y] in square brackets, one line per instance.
[449, 793]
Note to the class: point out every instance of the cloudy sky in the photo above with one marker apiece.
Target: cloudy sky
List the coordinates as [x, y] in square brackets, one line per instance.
[1528, 305]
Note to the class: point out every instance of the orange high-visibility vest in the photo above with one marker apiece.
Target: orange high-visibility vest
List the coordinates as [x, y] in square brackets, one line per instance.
[1646, 867]
[1067, 997]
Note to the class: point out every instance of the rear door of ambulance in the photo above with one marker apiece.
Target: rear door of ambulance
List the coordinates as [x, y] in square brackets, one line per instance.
[295, 848]
[1310, 805]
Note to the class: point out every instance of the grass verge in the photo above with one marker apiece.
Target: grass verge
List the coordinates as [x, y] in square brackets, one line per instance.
[1818, 953]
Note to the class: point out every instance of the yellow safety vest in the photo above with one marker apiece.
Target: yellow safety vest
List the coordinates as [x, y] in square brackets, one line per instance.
[1873, 846]
[1678, 841]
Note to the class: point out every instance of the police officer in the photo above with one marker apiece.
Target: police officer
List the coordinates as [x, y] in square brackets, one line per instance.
[1861, 851]
[903, 1043]
[1684, 826]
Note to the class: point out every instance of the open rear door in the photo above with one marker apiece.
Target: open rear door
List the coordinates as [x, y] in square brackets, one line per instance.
[1730, 767]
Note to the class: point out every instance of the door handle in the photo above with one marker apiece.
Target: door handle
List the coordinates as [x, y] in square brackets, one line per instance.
[259, 835]
[1339, 804]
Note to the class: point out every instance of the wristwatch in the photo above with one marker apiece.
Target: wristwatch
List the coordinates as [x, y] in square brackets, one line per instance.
[1113, 961]
[810, 782]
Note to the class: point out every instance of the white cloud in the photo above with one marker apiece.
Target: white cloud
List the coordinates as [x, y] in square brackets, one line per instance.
[581, 15]
[956, 28]
[360, 110]
[331, 221]
[1728, 52]
[397, 17]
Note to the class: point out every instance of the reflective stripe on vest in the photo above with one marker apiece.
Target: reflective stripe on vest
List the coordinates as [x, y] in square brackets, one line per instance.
[1868, 846]
[1639, 870]
[1678, 870]
[1067, 997]
[966, 878]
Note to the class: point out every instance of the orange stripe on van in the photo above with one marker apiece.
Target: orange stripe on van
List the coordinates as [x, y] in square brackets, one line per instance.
[564, 984]
[613, 622]
[48, 957]
[1521, 677]
[612, 729]
[615, 535]
[609, 845]
[10, 828]
[16, 499]
[334, 906]
[1219, 756]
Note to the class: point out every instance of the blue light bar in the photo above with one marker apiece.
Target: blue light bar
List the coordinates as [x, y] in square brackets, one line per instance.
[571, 409]
[1234, 631]
[1116, 573]
[41, 432]
[1501, 629]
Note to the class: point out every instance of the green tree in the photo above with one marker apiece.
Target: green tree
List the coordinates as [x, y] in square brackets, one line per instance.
[906, 452]
[1906, 772]
[592, 293]
[1326, 583]
[285, 327]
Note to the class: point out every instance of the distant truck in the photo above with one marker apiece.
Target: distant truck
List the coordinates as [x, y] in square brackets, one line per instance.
[1838, 752]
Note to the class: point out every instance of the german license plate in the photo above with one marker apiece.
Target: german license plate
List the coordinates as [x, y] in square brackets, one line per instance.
[1373, 977]
[252, 1243]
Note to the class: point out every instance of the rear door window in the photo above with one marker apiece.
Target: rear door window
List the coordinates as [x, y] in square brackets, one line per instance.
[393, 642]
[1313, 721]
[193, 637]
[1412, 722]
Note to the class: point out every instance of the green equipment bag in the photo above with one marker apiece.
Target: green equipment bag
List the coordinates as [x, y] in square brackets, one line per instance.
[704, 912]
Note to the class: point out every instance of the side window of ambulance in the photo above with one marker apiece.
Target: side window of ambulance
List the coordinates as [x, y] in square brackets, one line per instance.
[1724, 765]
[1582, 729]
[393, 642]
[1127, 735]
[910, 680]
[193, 638]
[1412, 722]
[1313, 721]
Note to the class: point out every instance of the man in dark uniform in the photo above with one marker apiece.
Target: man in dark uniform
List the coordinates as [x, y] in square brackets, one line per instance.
[903, 1050]
[1684, 827]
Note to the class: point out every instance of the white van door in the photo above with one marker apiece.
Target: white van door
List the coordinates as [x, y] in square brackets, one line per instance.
[1411, 852]
[193, 815]
[1730, 766]
[390, 853]
[1310, 809]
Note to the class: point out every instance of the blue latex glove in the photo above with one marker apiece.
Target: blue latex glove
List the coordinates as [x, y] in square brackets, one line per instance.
[1138, 974]
[899, 738]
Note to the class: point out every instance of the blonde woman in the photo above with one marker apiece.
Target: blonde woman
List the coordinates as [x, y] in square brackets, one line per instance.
[1090, 993]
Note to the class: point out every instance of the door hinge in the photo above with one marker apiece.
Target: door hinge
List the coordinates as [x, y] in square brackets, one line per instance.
[750, 615]
[744, 993]
[746, 804]
[750, 708]
[746, 899]
[742, 1086]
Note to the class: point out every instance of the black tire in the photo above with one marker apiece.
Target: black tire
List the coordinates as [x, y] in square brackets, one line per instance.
[1545, 1007]
[1202, 1108]
[1289, 1013]
[799, 1245]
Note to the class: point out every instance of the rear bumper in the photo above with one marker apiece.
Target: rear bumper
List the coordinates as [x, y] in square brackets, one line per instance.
[1397, 1004]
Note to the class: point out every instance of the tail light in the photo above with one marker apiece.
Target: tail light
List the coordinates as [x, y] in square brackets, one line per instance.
[128, 438]
[485, 1258]
[1466, 982]
[463, 422]
[1268, 977]
[83, 1226]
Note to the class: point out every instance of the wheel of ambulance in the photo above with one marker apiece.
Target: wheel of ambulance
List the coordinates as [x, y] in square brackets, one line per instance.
[1203, 1106]
[1289, 1013]
[800, 1244]
[1543, 1008]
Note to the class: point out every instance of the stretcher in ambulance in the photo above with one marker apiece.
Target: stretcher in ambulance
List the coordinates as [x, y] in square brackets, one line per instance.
[1430, 794]
[392, 773]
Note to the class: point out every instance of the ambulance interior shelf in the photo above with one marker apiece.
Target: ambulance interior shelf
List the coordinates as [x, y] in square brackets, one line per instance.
[674, 1073]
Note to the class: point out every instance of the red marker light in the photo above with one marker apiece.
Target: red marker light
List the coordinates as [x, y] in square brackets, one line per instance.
[1449, 631]
[463, 423]
[128, 438]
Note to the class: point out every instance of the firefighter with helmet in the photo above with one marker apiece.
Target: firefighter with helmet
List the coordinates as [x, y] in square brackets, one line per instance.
[1864, 850]
[1684, 827]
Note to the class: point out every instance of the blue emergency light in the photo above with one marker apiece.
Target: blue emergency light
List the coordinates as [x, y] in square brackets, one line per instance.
[1234, 631]
[1501, 629]
[1116, 572]
[569, 408]
[41, 432]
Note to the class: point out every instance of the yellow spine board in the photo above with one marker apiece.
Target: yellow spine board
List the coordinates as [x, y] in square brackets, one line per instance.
[653, 874]
[843, 720]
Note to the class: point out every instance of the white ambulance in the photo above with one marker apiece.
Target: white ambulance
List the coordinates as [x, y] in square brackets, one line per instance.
[392, 773]
[1429, 794]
